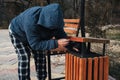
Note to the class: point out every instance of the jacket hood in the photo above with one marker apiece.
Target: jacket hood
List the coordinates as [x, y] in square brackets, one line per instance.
[51, 17]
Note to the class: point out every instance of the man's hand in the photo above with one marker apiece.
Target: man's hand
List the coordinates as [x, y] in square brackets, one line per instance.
[61, 45]
[63, 42]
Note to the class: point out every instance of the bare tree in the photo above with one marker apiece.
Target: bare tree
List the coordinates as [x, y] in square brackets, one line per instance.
[98, 13]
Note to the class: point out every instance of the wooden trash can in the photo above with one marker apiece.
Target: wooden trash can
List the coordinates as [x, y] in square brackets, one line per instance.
[90, 68]
[86, 65]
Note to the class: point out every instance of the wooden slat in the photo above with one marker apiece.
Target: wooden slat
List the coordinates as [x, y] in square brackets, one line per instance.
[66, 66]
[89, 69]
[72, 20]
[82, 70]
[101, 68]
[71, 66]
[69, 73]
[77, 69]
[70, 31]
[71, 25]
[106, 67]
[95, 68]
[94, 40]
[75, 65]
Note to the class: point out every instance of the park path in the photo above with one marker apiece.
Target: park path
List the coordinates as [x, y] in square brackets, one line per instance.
[8, 60]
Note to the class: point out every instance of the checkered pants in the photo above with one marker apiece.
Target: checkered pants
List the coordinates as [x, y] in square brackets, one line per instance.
[24, 52]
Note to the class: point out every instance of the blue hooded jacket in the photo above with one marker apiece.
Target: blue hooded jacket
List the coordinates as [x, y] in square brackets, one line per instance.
[37, 25]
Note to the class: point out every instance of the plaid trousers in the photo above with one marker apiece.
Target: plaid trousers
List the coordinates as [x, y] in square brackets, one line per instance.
[24, 52]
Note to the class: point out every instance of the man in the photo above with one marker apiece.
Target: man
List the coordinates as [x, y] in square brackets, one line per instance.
[33, 31]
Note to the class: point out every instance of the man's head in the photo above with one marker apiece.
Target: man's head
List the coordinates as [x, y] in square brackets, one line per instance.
[51, 17]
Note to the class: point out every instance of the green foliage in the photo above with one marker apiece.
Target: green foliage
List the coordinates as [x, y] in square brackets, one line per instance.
[113, 34]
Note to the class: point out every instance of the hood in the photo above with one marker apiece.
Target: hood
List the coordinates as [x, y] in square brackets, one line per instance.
[51, 17]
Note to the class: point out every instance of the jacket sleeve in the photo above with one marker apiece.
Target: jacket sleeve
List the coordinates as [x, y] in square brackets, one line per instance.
[60, 33]
[35, 41]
